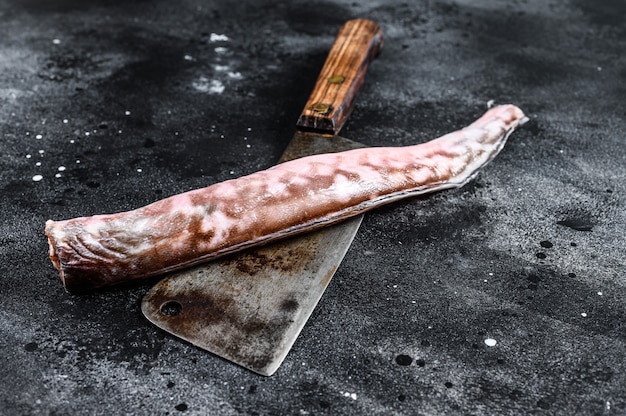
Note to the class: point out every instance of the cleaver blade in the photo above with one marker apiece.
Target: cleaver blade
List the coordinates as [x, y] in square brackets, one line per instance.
[250, 307]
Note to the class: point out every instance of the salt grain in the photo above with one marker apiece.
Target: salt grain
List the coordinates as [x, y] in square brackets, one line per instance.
[37, 178]
[490, 342]
[218, 38]
[353, 396]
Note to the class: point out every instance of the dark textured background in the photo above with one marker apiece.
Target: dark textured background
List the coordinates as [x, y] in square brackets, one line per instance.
[531, 253]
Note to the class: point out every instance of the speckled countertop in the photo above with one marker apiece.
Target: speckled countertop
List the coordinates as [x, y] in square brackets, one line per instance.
[505, 297]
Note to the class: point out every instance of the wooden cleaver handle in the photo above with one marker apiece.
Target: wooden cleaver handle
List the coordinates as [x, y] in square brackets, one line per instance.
[358, 42]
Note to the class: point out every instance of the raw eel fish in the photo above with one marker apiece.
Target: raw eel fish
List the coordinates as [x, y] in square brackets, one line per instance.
[289, 198]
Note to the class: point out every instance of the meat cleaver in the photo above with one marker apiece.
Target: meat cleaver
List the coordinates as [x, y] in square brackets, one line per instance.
[250, 307]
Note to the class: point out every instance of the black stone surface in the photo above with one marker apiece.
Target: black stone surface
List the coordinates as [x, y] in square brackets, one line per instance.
[139, 100]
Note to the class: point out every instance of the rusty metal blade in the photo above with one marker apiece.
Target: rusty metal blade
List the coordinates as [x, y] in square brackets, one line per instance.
[250, 307]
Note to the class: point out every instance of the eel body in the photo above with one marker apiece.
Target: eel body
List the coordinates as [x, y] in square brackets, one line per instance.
[289, 198]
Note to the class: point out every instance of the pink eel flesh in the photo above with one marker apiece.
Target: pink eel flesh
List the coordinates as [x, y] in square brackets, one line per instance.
[289, 198]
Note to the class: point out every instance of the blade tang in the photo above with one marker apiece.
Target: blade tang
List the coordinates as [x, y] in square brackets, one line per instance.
[306, 143]
[358, 42]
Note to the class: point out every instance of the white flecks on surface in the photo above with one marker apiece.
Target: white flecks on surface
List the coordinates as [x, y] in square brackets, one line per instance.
[37, 178]
[41, 151]
[139, 170]
[216, 87]
[28, 156]
[57, 175]
[65, 121]
[56, 41]
[77, 161]
[214, 37]
[61, 168]
[39, 137]
[38, 164]
[226, 69]
[353, 396]
[126, 113]
[206, 85]
[600, 293]
[490, 342]
[584, 314]
[188, 58]
[221, 50]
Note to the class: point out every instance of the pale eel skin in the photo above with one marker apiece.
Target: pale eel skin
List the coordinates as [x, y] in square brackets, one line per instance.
[289, 198]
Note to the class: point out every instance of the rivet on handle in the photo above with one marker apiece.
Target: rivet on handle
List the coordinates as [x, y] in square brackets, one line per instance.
[336, 79]
[321, 108]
